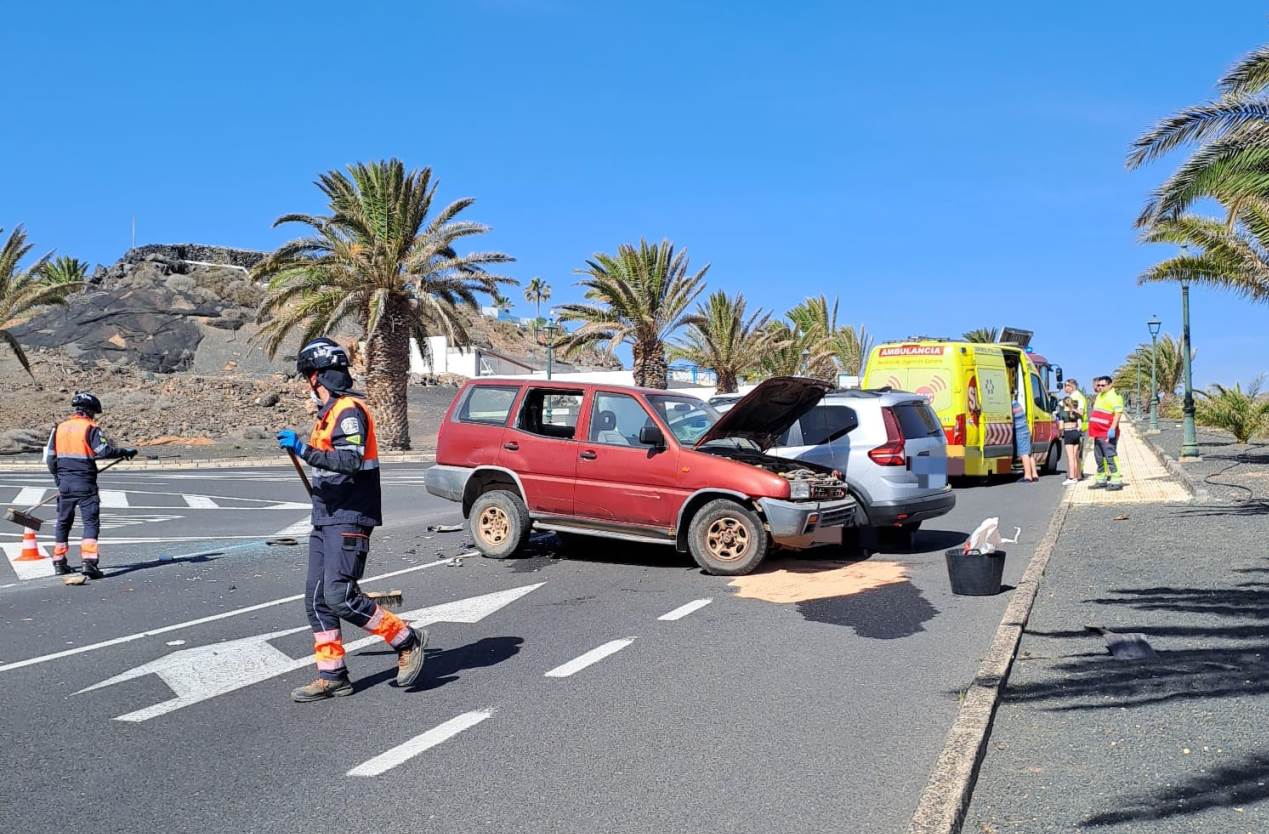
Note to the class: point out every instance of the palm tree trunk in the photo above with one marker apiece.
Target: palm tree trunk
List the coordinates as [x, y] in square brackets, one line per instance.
[726, 381]
[387, 373]
[650, 367]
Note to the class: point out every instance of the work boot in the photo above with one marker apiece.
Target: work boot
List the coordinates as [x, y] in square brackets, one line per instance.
[1097, 485]
[61, 568]
[1115, 486]
[410, 660]
[91, 570]
[321, 689]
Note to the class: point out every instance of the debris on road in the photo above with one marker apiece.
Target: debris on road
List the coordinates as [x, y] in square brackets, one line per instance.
[444, 528]
[1125, 645]
[74, 579]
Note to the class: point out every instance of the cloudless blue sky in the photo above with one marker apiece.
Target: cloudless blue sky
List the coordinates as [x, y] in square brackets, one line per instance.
[937, 166]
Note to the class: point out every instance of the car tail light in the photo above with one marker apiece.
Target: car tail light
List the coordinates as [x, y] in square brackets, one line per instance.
[890, 453]
[956, 434]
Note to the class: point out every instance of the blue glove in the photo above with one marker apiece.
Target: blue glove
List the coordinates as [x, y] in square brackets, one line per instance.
[289, 440]
[1110, 434]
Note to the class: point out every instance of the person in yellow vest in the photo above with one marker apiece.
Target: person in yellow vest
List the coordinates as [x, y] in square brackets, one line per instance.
[344, 455]
[73, 449]
[1103, 428]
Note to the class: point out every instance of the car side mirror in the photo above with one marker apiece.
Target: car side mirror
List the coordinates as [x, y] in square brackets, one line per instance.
[652, 436]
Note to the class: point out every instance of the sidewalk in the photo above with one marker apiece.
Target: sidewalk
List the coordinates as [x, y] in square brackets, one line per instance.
[1086, 742]
[1145, 478]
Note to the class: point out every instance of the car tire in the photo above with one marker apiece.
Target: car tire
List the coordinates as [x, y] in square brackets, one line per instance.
[499, 523]
[727, 538]
[1052, 461]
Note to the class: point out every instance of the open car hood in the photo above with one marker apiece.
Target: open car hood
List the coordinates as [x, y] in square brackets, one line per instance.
[767, 411]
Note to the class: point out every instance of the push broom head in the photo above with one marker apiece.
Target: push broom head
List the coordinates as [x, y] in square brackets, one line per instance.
[388, 599]
[22, 519]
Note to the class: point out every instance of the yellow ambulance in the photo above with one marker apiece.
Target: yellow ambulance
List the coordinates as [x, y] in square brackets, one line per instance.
[969, 385]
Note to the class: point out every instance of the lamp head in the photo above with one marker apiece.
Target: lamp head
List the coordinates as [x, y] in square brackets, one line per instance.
[1154, 324]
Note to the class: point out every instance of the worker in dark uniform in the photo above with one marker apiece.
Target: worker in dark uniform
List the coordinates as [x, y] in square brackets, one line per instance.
[73, 449]
[343, 453]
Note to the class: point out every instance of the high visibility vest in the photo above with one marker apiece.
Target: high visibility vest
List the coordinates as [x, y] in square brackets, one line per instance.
[1105, 407]
[323, 433]
[70, 442]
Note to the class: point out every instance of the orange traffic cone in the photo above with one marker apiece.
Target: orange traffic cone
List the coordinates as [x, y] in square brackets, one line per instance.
[30, 550]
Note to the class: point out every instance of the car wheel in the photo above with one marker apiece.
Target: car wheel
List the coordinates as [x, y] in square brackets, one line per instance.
[1052, 461]
[499, 523]
[727, 539]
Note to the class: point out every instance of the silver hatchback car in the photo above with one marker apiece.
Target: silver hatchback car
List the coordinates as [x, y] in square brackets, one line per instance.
[894, 461]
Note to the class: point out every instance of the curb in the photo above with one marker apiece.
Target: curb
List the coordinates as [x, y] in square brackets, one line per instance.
[946, 797]
[211, 463]
[1197, 489]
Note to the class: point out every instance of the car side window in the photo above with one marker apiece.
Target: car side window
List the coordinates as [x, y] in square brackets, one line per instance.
[488, 404]
[1038, 394]
[824, 423]
[550, 412]
[615, 420]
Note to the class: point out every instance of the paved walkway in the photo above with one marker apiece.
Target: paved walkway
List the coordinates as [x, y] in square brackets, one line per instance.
[1145, 479]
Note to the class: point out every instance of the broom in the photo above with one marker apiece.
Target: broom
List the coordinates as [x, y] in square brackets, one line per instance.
[25, 519]
[388, 599]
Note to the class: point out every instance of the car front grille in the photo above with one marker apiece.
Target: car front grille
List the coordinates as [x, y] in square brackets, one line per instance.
[839, 517]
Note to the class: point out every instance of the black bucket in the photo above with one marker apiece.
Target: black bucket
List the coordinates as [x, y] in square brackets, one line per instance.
[975, 574]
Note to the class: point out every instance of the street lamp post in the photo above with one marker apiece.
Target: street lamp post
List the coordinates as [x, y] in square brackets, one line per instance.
[551, 328]
[1138, 391]
[1154, 324]
[806, 360]
[1189, 441]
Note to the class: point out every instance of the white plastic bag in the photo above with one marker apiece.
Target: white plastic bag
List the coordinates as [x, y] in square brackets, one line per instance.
[986, 538]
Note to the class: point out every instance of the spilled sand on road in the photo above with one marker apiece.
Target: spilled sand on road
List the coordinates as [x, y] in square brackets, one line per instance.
[791, 581]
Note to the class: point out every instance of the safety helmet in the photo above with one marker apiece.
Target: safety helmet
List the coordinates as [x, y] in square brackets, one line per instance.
[86, 402]
[321, 354]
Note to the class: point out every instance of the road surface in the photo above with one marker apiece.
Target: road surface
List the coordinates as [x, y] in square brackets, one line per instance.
[611, 688]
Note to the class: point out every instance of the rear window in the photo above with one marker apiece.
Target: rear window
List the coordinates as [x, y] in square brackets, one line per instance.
[488, 404]
[917, 420]
[825, 423]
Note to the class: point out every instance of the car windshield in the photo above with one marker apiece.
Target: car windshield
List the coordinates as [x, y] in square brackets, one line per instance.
[687, 417]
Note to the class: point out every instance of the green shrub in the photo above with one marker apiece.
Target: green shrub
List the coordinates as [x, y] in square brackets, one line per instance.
[1245, 414]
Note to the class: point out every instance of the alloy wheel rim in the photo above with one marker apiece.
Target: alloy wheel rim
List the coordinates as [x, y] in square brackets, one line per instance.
[494, 526]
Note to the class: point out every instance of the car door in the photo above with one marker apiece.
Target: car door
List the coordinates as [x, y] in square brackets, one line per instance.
[541, 449]
[1043, 427]
[619, 479]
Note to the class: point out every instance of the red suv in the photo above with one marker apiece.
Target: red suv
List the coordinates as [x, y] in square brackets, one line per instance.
[636, 464]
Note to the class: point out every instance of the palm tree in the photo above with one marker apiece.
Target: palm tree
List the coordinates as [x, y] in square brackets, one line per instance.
[830, 349]
[1245, 414]
[380, 262]
[981, 334]
[65, 270]
[792, 351]
[1168, 370]
[720, 337]
[23, 290]
[537, 291]
[1234, 257]
[639, 297]
[501, 303]
[1232, 160]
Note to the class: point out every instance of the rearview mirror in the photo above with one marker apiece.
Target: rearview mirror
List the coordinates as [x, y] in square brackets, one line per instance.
[651, 436]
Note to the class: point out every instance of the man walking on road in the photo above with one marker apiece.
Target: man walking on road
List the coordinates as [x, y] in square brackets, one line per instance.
[343, 452]
[73, 449]
[1103, 428]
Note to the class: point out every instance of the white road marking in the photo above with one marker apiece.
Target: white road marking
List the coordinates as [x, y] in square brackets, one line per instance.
[402, 753]
[683, 610]
[301, 527]
[200, 502]
[27, 570]
[114, 498]
[30, 496]
[211, 618]
[203, 672]
[593, 656]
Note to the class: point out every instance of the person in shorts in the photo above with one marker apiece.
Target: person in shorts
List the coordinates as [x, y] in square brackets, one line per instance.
[1072, 416]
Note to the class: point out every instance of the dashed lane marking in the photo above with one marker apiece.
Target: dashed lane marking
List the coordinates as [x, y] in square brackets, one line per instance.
[211, 618]
[200, 502]
[114, 499]
[402, 753]
[591, 657]
[683, 610]
[30, 496]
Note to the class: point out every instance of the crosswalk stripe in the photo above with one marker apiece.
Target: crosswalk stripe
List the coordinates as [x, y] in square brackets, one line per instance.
[402, 753]
[27, 570]
[30, 496]
[114, 498]
[200, 502]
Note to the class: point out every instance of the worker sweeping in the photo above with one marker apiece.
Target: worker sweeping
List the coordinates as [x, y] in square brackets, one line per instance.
[73, 449]
[343, 453]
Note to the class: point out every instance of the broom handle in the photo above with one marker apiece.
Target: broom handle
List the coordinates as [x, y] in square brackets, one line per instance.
[56, 493]
[299, 470]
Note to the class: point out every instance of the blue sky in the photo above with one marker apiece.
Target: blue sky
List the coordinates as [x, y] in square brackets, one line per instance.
[936, 166]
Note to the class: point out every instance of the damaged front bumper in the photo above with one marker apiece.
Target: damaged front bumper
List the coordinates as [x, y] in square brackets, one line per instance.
[802, 524]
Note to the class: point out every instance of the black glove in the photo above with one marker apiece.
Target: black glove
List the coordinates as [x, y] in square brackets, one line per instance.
[129, 454]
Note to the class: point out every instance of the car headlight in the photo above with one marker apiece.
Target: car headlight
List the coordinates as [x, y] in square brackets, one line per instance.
[799, 490]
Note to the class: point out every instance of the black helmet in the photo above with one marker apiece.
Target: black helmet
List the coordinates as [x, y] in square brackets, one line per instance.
[321, 354]
[86, 402]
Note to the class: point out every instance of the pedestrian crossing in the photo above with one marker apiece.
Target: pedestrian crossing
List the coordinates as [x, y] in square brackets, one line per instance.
[23, 496]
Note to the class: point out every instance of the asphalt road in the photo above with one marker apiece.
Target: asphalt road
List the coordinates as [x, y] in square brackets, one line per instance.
[613, 689]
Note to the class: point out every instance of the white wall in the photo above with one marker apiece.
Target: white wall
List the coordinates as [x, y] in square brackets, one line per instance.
[444, 359]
